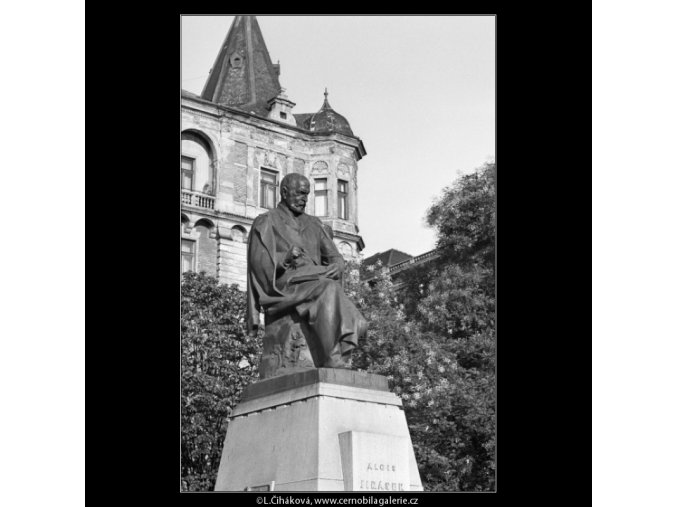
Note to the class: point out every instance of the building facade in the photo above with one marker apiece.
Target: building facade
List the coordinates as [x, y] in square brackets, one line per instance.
[239, 138]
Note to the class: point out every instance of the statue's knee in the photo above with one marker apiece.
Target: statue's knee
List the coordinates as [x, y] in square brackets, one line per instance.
[330, 286]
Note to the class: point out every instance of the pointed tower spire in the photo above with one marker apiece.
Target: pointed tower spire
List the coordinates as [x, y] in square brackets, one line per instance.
[326, 100]
[243, 74]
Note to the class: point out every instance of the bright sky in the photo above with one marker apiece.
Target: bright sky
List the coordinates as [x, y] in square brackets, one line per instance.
[418, 90]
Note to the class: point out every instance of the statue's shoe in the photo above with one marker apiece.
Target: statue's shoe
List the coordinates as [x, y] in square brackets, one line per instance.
[338, 362]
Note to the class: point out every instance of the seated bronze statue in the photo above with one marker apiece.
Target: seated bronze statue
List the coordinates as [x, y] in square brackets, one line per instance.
[293, 277]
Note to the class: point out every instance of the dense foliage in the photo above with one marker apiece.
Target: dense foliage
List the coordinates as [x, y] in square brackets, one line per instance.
[447, 388]
[435, 339]
[218, 360]
[465, 217]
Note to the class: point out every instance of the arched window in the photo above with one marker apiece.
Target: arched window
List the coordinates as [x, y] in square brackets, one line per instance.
[187, 255]
[239, 234]
[187, 246]
[207, 247]
[197, 164]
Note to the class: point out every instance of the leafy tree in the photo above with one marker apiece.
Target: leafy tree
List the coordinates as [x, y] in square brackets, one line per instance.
[458, 287]
[218, 360]
[435, 340]
[388, 330]
[448, 406]
[459, 301]
[465, 218]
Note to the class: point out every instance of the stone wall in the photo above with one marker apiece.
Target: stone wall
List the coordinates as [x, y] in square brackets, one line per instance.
[233, 259]
[206, 251]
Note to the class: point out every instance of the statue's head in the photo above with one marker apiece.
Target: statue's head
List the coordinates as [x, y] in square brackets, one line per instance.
[294, 189]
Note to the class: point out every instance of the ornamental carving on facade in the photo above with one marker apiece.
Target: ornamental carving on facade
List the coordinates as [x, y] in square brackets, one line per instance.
[320, 168]
[270, 159]
[343, 171]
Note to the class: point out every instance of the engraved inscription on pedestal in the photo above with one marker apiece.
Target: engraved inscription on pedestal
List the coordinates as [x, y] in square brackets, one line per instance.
[374, 462]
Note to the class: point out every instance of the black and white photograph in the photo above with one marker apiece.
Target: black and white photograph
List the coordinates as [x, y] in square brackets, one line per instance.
[338, 216]
[347, 258]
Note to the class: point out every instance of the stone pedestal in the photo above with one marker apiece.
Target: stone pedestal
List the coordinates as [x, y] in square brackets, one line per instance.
[319, 430]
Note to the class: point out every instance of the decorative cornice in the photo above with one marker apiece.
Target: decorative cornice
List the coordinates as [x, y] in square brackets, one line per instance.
[405, 265]
[350, 236]
[266, 124]
[204, 114]
[409, 263]
[245, 220]
[216, 214]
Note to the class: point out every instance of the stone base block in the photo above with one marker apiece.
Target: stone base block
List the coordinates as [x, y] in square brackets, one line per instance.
[319, 430]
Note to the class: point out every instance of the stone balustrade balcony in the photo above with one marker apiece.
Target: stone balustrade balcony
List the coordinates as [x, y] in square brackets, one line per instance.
[197, 199]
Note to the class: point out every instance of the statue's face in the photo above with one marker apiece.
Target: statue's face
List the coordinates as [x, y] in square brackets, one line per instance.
[296, 195]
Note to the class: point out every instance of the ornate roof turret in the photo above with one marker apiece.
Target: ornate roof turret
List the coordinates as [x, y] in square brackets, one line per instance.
[328, 120]
[243, 74]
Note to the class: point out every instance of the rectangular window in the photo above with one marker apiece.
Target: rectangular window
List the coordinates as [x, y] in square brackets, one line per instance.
[187, 255]
[268, 189]
[187, 172]
[343, 199]
[321, 197]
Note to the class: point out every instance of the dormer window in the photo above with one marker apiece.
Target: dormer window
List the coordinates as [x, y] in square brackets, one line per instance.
[283, 115]
[236, 61]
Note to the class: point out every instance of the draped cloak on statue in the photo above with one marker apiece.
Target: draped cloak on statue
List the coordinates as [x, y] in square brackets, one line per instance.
[276, 290]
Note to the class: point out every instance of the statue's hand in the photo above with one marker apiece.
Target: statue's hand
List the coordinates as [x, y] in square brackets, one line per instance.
[293, 253]
[333, 271]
